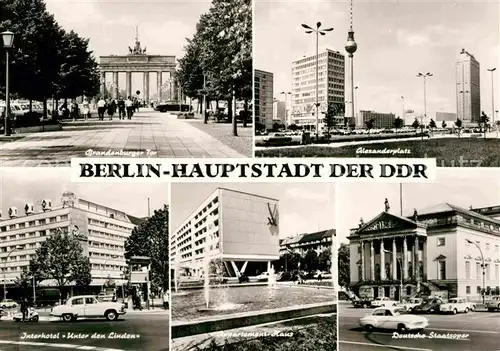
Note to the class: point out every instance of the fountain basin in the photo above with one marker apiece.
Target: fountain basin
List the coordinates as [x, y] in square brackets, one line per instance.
[244, 319]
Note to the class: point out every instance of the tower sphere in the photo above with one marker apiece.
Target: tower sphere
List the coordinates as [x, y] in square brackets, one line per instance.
[351, 46]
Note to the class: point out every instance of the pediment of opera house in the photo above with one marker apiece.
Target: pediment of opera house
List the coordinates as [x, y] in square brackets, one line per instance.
[388, 223]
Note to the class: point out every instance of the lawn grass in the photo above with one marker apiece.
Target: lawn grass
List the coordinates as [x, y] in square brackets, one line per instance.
[321, 336]
[458, 152]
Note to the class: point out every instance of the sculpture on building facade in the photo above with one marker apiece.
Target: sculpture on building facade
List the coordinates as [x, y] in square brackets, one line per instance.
[386, 204]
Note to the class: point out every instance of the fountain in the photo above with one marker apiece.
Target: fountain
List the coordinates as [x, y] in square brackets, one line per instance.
[206, 283]
[271, 280]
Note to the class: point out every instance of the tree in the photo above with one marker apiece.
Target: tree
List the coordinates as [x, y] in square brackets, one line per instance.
[344, 277]
[109, 283]
[293, 127]
[432, 125]
[310, 261]
[370, 124]
[443, 125]
[398, 123]
[325, 260]
[334, 109]
[458, 124]
[415, 124]
[150, 238]
[277, 126]
[289, 261]
[484, 121]
[60, 257]
[24, 281]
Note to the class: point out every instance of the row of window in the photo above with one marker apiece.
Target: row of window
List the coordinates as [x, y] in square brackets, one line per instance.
[441, 241]
[108, 225]
[479, 271]
[41, 221]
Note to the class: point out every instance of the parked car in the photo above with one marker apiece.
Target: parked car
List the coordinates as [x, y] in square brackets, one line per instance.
[428, 306]
[472, 305]
[493, 304]
[410, 304]
[88, 306]
[361, 303]
[393, 318]
[264, 277]
[454, 306]
[8, 303]
[383, 302]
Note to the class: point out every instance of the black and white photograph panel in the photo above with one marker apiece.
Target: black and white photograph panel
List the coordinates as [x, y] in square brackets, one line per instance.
[159, 78]
[382, 78]
[83, 266]
[253, 266]
[419, 264]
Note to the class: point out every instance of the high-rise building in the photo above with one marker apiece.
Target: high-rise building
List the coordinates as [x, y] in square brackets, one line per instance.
[331, 74]
[239, 230]
[101, 230]
[263, 98]
[468, 89]
[380, 120]
[280, 112]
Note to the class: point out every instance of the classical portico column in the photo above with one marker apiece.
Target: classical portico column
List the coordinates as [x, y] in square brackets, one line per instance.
[372, 261]
[129, 83]
[103, 82]
[424, 258]
[394, 260]
[158, 85]
[116, 88]
[405, 258]
[145, 92]
[382, 260]
[416, 272]
[362, 243]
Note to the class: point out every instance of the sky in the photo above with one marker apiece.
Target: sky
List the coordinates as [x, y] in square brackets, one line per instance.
[163, 26]
[21, 185]
[396, 40]
[469, 187]
[304, 207]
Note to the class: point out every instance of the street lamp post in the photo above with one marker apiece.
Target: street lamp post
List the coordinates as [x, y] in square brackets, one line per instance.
[403, 106]
[286, 105]
[492, 95]
[482, 264]
[8, 39]
[5, 270]
[424, 76]
[318, 32]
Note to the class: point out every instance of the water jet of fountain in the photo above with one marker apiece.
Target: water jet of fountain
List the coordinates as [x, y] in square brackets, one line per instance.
[271, 280]
[206, 284]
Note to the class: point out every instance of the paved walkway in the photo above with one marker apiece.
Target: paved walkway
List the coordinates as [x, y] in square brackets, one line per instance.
[162, 133]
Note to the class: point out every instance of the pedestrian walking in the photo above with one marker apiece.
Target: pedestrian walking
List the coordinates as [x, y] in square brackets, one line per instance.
[24, 308]
[74, 110]
[86, 109]
[121, 108]
[101, 108]
[110, 108]
[166, 299]
[129, 105]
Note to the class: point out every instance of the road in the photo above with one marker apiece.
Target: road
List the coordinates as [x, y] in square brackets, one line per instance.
[153, 133]
[482, 328]
[144, 331]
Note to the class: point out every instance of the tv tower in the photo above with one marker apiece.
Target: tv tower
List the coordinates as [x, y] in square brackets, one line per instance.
[351, 48]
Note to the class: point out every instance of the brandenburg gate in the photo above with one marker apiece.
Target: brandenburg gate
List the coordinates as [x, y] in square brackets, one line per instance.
[138, 60]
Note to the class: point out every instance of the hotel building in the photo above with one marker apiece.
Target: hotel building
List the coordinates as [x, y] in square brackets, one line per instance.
[263, 98]
[468, 89]
[437, 251]
[331, 75]
[239, 229]
[101, 230]
[301, 243]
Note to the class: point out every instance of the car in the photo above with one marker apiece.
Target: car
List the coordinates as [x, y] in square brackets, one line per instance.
[262, 277]
[8, 303]
[493, 304]
[471, 305]
[361, 303]
[454, 306]
[383, 302]
[428, 306]
[88, 306]
[410, 304]
[393, 318]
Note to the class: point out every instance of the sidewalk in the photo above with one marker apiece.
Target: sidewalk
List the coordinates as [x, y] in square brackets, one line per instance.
[161, 133]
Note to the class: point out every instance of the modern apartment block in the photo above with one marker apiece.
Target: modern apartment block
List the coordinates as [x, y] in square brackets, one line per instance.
[380, 120]
[263, 96]
[239, 229]
[101, 230]
[331, 88]
[468, 89]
